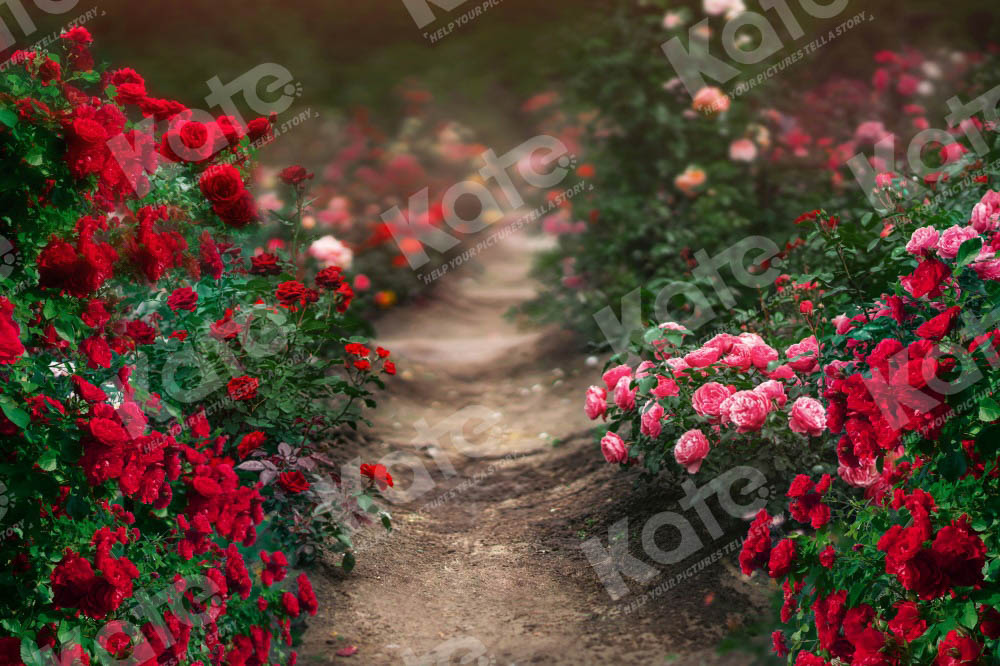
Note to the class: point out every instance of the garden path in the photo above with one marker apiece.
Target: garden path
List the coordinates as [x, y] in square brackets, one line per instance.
[485, 566]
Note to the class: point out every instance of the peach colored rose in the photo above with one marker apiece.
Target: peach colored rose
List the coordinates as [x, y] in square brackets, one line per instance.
[710, 100]
[690, 450]
[690, 180]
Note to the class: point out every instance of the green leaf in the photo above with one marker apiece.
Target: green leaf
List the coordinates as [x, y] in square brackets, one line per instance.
[47, 461]
[970, 618]
[18, 416]
[989, 410]
[968, 252]
[8, 117]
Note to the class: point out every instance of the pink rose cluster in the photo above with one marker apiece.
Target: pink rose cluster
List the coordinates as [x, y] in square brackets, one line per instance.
[984, 222]
[719, 405]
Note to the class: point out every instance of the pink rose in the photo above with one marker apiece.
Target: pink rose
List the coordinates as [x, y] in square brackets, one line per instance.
[643, 369]
[708, 398]
[702, 358]
[762, 355]
[843, 324]
[750, 339]
[612, 376]
[774, 392]
[597, 403]
[803, 356]
[923, 241]
[746, 410]
[678, 365]
[690, 450]
[986, 213]
[665, 387]
[987, 265]
[859, 477]
[782, 372]
[723, 342]
[743, 150]
[652, 419]
[739, 357]
[952, 239]
[624, 396]
[613, 448]
[808, 417]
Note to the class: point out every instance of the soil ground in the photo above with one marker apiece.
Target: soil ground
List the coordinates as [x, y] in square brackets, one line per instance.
[484, 564]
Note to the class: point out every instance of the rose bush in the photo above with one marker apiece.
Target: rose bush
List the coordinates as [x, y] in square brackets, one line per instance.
[885, 543]
[164, 399]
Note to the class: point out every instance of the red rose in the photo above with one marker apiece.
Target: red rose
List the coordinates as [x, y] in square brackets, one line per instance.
[290, 604]
[221, 183]
[258, 128]
[230, 129]
[939, 326]
[239, 212]
[184, 298]
[49, 71]
[782, 556]
[225, 328]
[377, 474]
[989, 622]
[907, 625]
[96, 315]
[108, 432]
[243, 388]
[130, 93]
[294, 175]
[71, 581]
[88, 391]
[250, 443]
[293, 482]
[141, 332]
[961, 553]
[827, 557]
[926, 279]
[264, 264]
[11, 348]
[97, 351]
[307, 598]
[329, 278]
[290, 293]
[957, 649]
[389, 367]
[89, 131]
[757, 546]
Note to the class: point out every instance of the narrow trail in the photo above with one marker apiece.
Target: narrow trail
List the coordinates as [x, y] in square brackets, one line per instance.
[484, 565]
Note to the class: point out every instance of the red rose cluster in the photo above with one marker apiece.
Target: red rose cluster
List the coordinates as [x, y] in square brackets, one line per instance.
[222, 185]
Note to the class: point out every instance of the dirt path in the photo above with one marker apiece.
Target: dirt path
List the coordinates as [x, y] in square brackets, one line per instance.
[485, 564]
